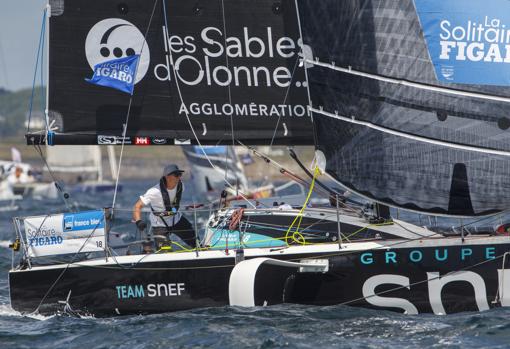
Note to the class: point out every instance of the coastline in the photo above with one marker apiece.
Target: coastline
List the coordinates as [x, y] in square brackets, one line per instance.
[141, 162]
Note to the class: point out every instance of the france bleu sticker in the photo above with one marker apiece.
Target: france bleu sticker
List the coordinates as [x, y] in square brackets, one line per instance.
[117, 73]
[468, 41]
[90, 220]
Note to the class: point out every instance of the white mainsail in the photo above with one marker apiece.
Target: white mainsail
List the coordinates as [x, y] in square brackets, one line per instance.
[76, 159]
[81, 160]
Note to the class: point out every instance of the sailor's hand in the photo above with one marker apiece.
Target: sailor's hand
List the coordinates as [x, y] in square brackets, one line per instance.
[141, 225]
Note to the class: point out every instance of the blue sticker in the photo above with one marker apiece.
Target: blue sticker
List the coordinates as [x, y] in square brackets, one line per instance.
[117, 73]
[89, 220]
[210, 150]
[223, 238]
[468, 41]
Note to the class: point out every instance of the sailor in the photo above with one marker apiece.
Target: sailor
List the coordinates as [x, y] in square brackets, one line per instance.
[19, 176]
[163, 200]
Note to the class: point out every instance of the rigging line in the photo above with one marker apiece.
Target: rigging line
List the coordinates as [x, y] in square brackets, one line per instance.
[43, 26]
[489, 217]
[122, 151]
[408, 83]
[187, 114]
[52, 175]
[129, 106]
[280, 168]
[422, 139]
[299, 216]
[310, 114]
[325, 187]
[42, 70]
[229, 90]
[67, 266]
[120, 266]
[285, 99]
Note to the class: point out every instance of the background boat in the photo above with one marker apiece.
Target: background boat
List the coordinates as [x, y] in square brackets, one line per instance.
[81, 168]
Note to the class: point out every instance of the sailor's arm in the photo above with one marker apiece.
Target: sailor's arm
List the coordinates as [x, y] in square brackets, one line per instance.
[137, 215]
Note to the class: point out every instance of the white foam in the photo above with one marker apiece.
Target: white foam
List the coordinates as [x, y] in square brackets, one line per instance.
[6, 310]
[9, 208]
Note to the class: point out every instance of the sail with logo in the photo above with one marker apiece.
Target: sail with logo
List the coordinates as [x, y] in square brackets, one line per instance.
[239, 78]
[410, 100]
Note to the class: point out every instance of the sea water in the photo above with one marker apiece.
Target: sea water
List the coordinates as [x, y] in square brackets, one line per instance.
[281, 326]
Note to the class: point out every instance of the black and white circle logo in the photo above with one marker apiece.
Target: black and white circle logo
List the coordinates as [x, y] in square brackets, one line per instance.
[114, 38]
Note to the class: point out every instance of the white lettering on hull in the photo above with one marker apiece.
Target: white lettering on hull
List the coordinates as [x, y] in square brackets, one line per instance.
[390, 302]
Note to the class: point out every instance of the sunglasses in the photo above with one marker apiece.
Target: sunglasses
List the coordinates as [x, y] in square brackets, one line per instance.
[177, 174]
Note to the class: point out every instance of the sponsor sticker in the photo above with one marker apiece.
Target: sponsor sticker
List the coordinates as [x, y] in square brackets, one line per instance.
[115, 39]
[142, 141]
[83, 221]
[159, 141]
[468, 41]
[65, 233]
[113, 140]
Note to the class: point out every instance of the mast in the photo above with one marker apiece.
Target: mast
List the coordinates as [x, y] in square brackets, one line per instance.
[46, 110]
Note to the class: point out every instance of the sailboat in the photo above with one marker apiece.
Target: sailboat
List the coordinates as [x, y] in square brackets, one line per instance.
[82, 167]
[7, 197]
[405, 102]
[20, 180]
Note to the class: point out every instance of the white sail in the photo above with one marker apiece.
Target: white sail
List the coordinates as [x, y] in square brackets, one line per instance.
[75, 159]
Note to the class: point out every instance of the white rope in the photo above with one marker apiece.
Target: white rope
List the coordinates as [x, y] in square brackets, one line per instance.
[129, 108]
[368, 124]
[284, 101]
[187, 114]
[229, 96]
[402, 82]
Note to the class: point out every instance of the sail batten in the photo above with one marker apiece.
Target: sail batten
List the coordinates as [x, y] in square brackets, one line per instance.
[408, 83]
[353, 120]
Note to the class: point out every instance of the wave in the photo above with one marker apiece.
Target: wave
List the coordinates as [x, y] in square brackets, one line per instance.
[6, 310]
[9, 208]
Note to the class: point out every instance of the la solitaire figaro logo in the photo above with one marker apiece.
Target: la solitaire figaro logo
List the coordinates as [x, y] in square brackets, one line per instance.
[468, 41]
[115, 38]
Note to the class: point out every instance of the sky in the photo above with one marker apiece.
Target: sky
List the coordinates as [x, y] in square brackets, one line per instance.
[20, 27]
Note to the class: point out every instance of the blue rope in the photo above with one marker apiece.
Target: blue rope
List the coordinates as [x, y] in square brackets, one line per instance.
[41, 36]
[43, 99]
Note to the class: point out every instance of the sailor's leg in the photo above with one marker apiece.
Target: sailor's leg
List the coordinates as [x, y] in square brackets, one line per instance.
[184, 230]
[159, 234]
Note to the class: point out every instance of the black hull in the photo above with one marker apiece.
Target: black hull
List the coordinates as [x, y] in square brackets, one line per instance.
[440, 277]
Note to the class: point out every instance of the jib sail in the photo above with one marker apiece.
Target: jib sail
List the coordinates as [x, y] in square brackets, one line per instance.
[237, 68]
[411, 100]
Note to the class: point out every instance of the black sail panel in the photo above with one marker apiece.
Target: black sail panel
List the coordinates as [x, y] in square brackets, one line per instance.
[246, 66]
[426, 139]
